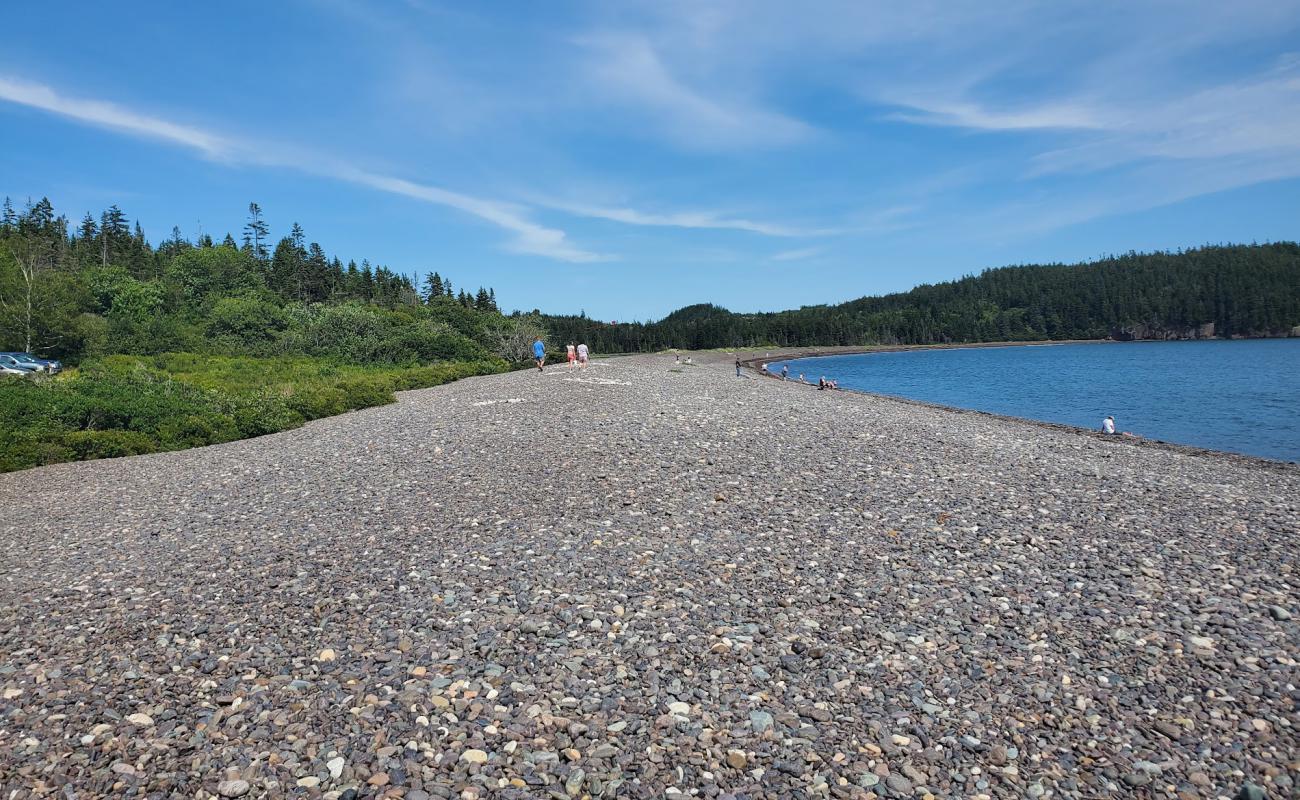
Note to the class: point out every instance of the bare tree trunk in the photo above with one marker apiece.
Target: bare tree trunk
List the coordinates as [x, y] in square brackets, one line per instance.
[31, 259]
[28, 275]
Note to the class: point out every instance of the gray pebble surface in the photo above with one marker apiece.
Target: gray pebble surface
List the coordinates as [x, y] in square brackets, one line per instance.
[651, 580]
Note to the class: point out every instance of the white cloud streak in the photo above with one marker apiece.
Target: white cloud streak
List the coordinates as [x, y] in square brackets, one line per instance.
[530, 238]
[965, 114]
[700, 220]
[108, 115]
[627, 69]
[796, 255]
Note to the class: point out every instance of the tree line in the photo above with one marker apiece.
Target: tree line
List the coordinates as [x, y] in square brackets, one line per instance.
[101, 287]
[1241, 290]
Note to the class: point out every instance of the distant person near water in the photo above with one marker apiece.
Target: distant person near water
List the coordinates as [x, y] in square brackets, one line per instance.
[583, 354]
[1108, 426]
[785, 372]
[572, 353]
[763, 369]
[737, 366]
[539, 354]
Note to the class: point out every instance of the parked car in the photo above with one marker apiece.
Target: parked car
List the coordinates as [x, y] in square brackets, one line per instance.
[38, 364]
[5, 369]
[13, 365]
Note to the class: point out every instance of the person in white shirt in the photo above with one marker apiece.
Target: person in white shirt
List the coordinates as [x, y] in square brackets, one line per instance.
[1108, 426]
[582, 356]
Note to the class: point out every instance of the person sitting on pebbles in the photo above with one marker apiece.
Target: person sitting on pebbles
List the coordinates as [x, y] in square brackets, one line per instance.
[1108, 429]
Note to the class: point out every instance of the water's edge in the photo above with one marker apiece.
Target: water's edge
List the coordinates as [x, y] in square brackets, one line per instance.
[1259, 462]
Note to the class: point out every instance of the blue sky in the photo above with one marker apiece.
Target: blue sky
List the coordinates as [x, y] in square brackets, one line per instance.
[633, 157]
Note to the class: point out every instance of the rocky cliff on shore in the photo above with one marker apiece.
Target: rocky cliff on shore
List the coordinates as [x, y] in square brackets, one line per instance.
[1204, 331]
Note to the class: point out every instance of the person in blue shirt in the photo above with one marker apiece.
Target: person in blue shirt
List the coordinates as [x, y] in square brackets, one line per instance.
[539, 353]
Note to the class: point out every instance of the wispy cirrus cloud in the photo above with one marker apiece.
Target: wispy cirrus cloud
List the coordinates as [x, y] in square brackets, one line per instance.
[627, 69]
[797, 255]
[529, 237]
[699, 220]
[110, 115]
[972, 115]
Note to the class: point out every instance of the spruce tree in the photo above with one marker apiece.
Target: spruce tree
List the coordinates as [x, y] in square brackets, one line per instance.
[432, 287]
[88, 230]
[255, 232]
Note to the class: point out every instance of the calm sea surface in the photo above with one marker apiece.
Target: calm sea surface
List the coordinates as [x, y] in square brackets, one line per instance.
[1241, 396]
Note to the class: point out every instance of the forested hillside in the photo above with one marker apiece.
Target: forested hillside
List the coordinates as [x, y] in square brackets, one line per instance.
[100, 288]
[1242, 290]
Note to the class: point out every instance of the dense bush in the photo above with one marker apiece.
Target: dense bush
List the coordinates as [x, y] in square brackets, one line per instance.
[86, 445]
[127, 405]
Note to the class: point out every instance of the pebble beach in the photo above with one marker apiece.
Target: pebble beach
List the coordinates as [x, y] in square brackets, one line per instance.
[652, 580]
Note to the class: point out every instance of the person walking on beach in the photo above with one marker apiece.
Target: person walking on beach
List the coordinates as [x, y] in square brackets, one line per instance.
[572, 353]
[539, 353]
[737, 366]
[583, 355]
[785, 372]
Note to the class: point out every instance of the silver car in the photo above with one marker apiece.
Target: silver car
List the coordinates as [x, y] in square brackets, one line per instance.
[32, 362]
[12, 364]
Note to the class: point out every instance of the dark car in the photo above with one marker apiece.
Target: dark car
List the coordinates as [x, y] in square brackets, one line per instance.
[37, 364]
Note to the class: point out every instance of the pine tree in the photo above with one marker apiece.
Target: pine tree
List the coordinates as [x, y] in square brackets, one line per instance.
[38, 218]
[432, 287]
[367, 283]
[315, 282]
[285, 269]
[229, 241]
[255, 232]
[113, 232]
[88, 230]
[8, 219]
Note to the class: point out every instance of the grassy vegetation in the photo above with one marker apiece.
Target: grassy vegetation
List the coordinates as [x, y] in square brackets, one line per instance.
[128, 405]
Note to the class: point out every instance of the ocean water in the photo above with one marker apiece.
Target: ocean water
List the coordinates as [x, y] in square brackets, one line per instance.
[1238, 396]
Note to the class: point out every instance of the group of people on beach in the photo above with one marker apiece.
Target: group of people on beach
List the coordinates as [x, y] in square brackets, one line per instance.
[578, 355]
[822, 384]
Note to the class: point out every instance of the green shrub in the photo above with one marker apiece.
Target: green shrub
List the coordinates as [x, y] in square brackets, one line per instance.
[314, 402]
[21, 453]
[196, 430]
[86, 445]
[124, 405]
[368, 391]
[246, 322]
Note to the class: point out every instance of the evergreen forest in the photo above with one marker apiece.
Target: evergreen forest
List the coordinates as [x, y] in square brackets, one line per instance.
[1239, 290]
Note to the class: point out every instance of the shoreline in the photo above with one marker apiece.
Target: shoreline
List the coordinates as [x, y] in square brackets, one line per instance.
[1137, 441]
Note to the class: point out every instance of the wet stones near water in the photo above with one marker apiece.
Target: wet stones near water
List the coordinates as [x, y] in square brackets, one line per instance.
[673, 596]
